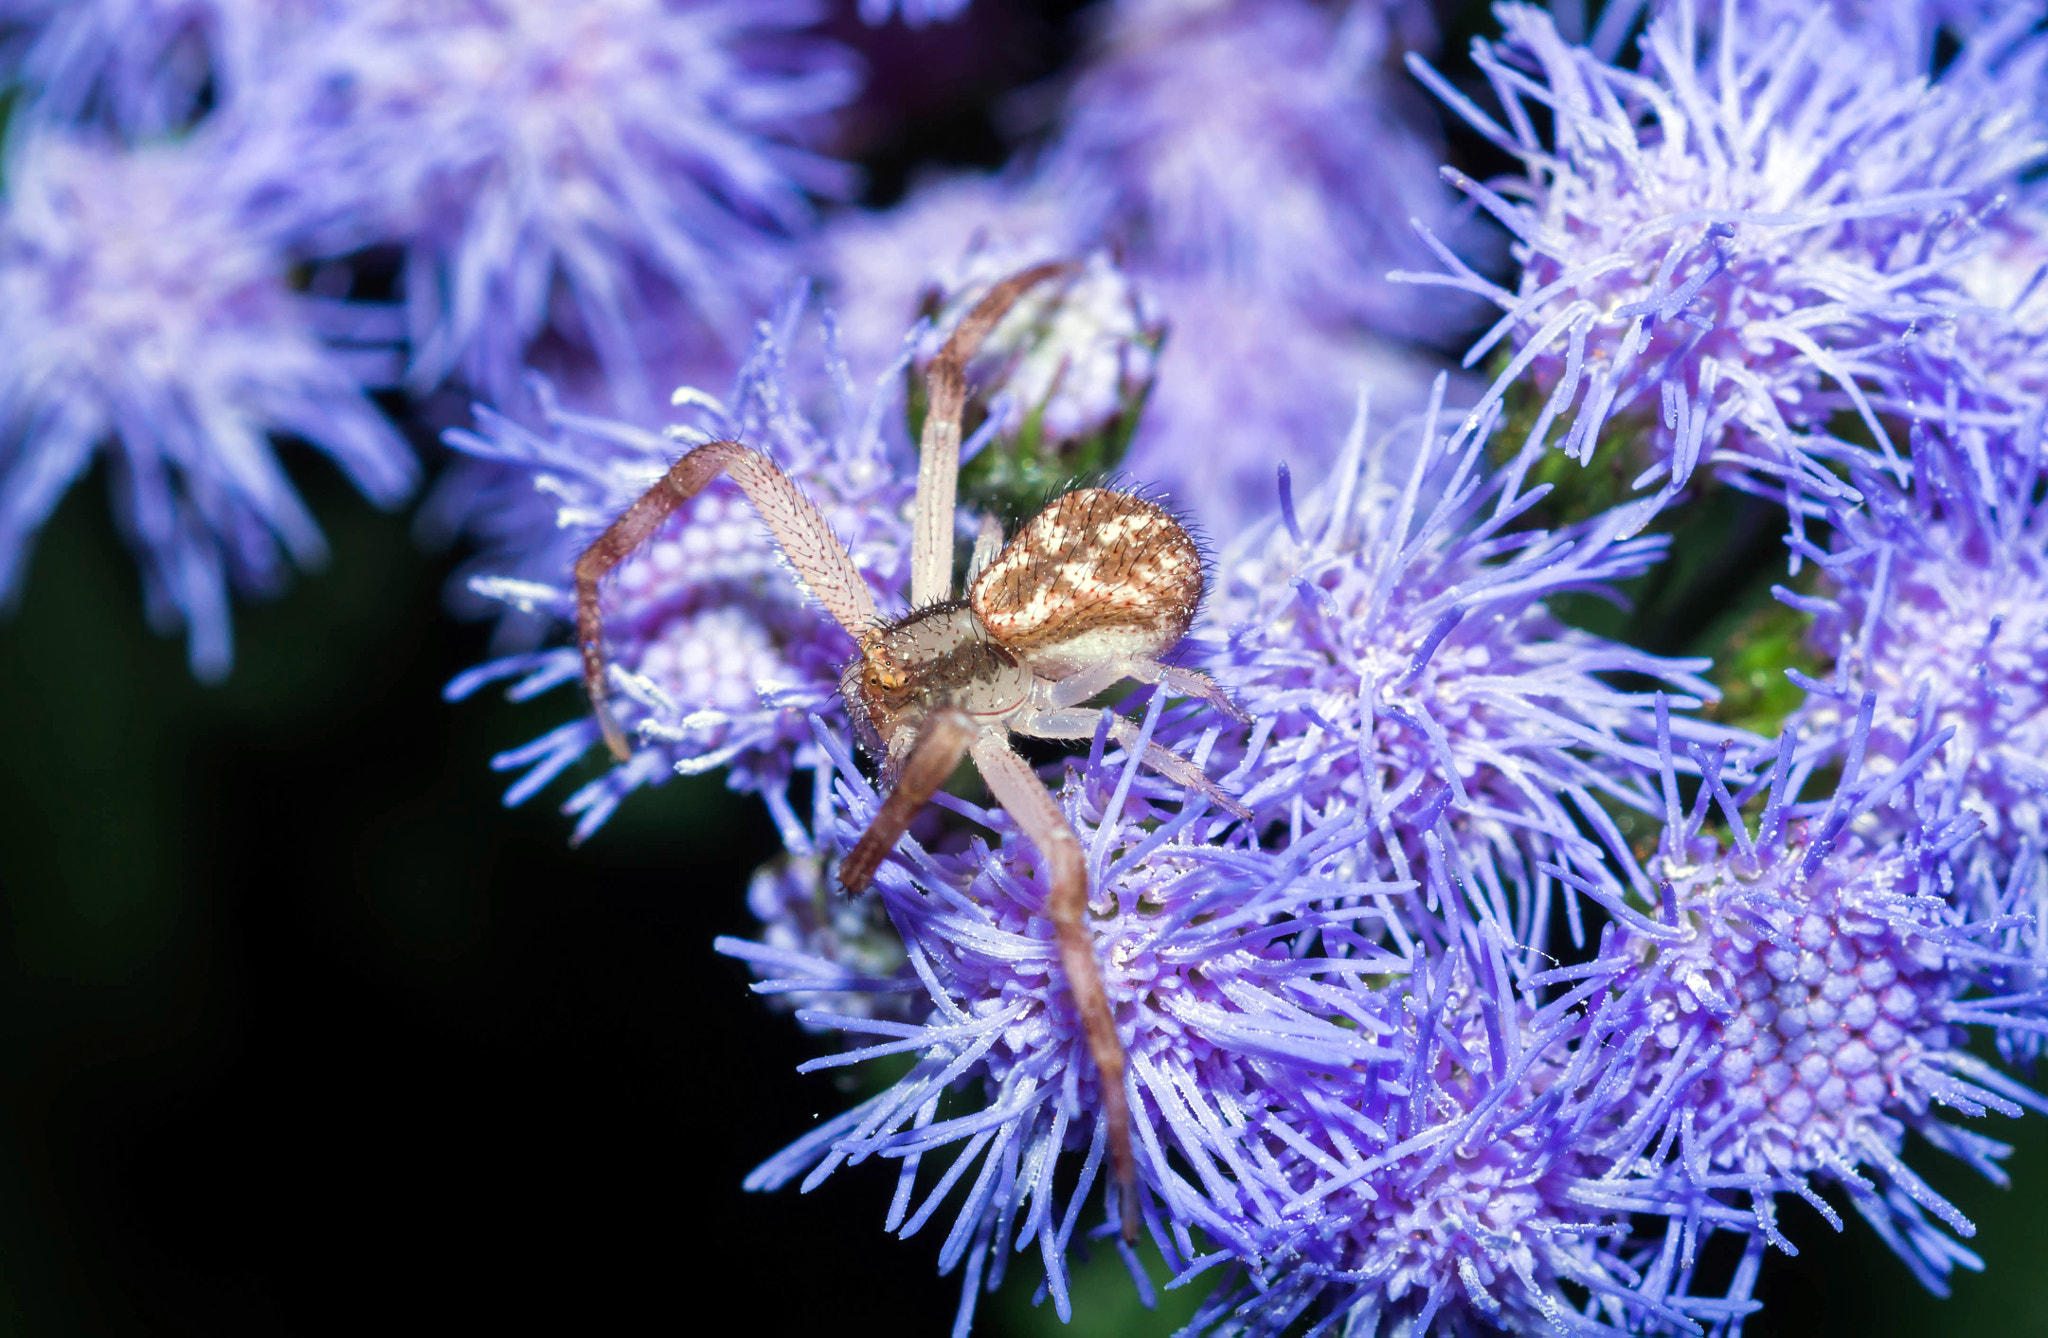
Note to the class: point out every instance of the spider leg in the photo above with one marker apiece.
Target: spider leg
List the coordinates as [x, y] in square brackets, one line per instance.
[938, 466]
[1187, 683]
[942, 741]
[1080, 723]
[988, 541]
[799, 528]
[1017, 788]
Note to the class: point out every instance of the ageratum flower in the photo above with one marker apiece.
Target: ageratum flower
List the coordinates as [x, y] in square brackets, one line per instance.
[1231, 972]
[1394, 644]
[145, 67]
[1740, 241]
[1447, 1184]
[1798, 1005]
[1072, 360]
[718, 657]
[1262, 143]
[567, 166]
[845, 945]
[1241, 375]
[144, 305]
[1935, 599]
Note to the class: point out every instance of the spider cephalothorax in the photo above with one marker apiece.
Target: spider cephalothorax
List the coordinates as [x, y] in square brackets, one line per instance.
[1093, 590]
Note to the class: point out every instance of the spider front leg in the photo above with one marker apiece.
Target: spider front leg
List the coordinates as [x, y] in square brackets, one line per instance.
[942, 740]
[938, 464]
[1080, 723]
[799, 528]
[1017, 788]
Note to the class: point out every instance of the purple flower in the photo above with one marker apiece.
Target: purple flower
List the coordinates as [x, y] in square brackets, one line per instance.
[1393, 643]
[718, 657]
[1435, 1186]
[1245, 381]
[1935, 599]
[143, 298]
[811, 928]
[145, 67]
[1230, 971]
[1074, 358]
[1743, 239]
[1263, 144]
[613, 170]
[1240, 377]
[1797, 1005]
[881, 267]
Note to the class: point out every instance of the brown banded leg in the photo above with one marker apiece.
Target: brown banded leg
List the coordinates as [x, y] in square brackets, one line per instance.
[941, 742]
[938, 465]
[1017, 788]
[799, 528]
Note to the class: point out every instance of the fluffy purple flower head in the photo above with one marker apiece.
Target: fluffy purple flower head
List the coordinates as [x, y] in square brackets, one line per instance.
[1798, 1003]
[882, 267]
[1935, 599]
[1076, 356]
[143, 299]
[811, 927]
[1393, 644]
[1742, 239]
[1229, 970]
[718, 657]
[1239, 376]
[1440, 1186]
[1260, 143]
[144, 68]
[1988, 370]
[568, 165]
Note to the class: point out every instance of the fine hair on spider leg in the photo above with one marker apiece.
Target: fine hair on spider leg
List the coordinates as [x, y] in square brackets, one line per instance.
[1090, 592]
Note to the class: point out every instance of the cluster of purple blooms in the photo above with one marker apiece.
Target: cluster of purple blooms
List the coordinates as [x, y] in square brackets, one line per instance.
[1530, 988]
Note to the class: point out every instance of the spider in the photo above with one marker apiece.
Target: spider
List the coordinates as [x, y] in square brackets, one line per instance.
[1093, 590]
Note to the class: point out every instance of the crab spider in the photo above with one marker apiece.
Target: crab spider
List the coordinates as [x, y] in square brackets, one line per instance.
[1092, 591]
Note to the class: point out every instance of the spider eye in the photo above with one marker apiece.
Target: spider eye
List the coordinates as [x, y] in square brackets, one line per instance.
[885, 675]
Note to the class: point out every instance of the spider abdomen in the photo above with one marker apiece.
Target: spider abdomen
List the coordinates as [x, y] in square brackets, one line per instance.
[1097, 575]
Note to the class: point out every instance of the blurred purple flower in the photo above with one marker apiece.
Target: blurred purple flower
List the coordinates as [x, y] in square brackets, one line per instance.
[718, 657]
[1244, 382]
[1743, 239]
[811, 928]
[881, 267]
[1077, 355]
[144, 68]
[144, 303]
[1392, 642]
[1798, 1004]
[1240, 380]
[915, 13]
[1264, 144]
[626, 171]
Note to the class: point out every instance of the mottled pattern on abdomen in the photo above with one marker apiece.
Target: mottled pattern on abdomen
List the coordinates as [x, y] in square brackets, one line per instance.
[1097, 568]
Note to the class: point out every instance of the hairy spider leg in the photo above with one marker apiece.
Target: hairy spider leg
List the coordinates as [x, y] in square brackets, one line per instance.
[1024, 796]
[800, 531]
[1080, 723]
[938, 463]
[942, 740]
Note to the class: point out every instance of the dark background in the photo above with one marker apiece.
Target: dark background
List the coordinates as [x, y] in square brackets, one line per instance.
[301, 1032]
